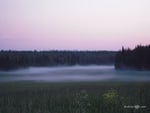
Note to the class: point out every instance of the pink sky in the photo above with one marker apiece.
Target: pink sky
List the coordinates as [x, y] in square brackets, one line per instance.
[73, 24]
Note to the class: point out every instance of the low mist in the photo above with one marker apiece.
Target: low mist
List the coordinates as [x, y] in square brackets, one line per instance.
[73, 74]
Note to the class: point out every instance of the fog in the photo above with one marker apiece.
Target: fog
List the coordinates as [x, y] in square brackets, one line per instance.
[73, 74]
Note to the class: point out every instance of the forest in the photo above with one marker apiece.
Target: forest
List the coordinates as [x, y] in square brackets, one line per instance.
[22, 59]
[136, 59]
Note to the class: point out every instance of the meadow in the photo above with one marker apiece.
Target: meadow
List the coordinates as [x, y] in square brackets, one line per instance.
[77, 97]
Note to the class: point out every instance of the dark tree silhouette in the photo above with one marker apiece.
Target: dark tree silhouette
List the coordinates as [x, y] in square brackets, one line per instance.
[138, 58]
[22, 59]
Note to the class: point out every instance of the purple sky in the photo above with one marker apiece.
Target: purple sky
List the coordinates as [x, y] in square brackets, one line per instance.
[74, 24]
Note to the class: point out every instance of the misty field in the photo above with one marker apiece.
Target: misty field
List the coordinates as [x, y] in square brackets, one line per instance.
[85, 97]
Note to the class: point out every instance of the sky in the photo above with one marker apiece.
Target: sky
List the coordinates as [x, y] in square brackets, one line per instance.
[74, 24]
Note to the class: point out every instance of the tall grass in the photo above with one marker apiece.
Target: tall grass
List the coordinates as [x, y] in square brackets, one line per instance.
[74, 97]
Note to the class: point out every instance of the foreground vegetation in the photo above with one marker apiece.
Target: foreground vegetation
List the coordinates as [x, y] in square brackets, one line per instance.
[86, 97]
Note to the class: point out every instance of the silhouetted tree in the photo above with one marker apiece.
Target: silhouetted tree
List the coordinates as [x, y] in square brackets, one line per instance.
[138, 58]
[22, 59]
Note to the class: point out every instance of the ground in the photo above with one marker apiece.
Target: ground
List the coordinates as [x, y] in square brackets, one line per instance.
[85, 97]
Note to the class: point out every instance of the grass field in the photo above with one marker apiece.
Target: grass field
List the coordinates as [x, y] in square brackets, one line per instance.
[86, 97]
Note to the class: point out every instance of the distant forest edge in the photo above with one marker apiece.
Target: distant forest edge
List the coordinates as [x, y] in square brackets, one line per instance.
[22, 59]
[136, 59]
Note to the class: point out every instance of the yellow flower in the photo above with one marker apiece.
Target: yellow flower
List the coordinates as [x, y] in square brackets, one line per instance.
[111, 96]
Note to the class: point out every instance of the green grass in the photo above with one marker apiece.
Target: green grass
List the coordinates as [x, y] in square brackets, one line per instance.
[87, 97]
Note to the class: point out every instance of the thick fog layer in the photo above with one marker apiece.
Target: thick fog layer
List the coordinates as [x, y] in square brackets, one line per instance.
[73, 74]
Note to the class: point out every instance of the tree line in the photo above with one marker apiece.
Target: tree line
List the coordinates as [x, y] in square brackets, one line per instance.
[22, 59]
[138, 58]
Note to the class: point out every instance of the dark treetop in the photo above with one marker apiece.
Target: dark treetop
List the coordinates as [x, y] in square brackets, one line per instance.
[138, 58]
[22, 59]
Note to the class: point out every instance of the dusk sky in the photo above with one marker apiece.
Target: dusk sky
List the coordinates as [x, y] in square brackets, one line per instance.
[73, 24]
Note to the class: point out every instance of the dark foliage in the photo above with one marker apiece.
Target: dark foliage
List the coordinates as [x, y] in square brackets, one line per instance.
[22, 59]
[138, 58]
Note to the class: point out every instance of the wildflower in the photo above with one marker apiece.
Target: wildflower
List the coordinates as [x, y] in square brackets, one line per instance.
[111, 96]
